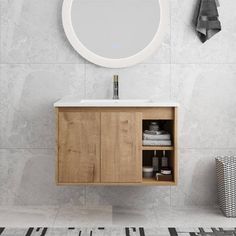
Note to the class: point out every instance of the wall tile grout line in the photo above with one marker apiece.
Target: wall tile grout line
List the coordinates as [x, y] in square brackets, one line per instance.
[55, 217]
[170, 18]
[146, 63]
[38, 63]
[171, 95]
[27, 148]
[85, 196]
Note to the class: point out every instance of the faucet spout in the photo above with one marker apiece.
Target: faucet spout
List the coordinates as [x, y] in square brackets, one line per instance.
[115, 87]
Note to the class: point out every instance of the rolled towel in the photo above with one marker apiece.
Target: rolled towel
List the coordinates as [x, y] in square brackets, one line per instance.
[206, 20]
[153, 132]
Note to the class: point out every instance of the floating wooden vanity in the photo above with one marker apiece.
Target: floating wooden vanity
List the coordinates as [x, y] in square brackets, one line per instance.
[102, 145]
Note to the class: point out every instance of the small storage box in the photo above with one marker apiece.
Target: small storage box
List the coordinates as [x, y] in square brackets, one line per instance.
[226, 183]
[147, 172]
[165, 177]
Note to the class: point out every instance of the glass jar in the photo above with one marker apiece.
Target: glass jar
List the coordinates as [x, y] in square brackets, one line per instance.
[154, 126]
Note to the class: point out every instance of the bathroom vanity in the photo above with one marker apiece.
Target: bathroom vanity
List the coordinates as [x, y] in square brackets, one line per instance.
[99, 142]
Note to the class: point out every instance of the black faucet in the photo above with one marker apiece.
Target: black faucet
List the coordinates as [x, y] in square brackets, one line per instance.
[115, 87]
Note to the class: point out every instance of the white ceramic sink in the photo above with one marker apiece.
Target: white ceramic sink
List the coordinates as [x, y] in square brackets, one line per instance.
[113, 101]
[71, 101]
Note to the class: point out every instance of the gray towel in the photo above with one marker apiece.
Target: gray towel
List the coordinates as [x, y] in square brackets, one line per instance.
[206, 19]
[156, 142]
[164, 136]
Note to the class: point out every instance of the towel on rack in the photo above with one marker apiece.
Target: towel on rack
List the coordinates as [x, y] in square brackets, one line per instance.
[206, 20]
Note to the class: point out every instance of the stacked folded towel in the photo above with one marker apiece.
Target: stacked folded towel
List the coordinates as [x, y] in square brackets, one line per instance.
[156, 138]
[157, 142]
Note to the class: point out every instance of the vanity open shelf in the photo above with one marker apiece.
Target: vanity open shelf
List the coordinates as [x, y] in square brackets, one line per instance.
[103, 145]
[158, 148]
[160, 143]
[147, 156]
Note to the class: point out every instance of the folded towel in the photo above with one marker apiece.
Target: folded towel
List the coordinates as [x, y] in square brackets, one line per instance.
[206, 19]
[153, 132]
[156, 136]
[157, 142]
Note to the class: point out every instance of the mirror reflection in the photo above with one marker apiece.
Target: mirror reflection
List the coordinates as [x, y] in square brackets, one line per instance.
[115, 29]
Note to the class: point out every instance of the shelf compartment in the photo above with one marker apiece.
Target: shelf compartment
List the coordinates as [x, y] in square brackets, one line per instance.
[166, 125]
[147, 156]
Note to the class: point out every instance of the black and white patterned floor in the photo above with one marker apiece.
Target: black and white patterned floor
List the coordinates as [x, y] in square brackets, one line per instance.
[132, 231]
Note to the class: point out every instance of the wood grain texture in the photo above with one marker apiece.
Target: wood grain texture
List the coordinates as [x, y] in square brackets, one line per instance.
[175, 154]
[162, 113]
[121, 141]
[79, 147]
[145, 182]
[164, 148]
[57, 143]
[103, 146]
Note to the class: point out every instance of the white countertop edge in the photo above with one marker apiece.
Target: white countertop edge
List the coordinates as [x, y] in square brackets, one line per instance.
[75, 101]
[153, 105]
[148, 104]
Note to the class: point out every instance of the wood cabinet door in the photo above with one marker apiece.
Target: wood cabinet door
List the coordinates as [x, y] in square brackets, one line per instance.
[79, 147]
[121, 140]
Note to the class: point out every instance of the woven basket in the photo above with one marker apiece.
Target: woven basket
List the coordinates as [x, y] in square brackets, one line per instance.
[226, 183]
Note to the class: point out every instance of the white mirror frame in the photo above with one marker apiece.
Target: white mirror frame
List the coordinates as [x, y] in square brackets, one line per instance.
[108, 62]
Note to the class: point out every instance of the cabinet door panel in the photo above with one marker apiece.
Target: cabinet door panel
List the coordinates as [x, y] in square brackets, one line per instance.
[121, 142]
[79, 147]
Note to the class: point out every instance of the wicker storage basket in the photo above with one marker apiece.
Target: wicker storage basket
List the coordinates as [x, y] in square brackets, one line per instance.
[226, 183]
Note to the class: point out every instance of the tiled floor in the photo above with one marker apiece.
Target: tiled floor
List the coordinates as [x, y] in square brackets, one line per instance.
[80, 232]
[112, 216]
[117, 231]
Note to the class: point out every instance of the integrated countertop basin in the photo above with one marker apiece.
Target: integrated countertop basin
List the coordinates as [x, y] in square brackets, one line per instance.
[73, 101]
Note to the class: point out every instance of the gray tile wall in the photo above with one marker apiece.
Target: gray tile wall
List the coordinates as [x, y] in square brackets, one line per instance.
[38, 66]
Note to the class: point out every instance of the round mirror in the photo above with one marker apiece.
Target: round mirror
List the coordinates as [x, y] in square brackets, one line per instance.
[114, 33]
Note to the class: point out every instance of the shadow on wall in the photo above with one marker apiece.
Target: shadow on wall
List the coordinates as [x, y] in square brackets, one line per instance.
[205, 172]
[38, 187]
[30, 115]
